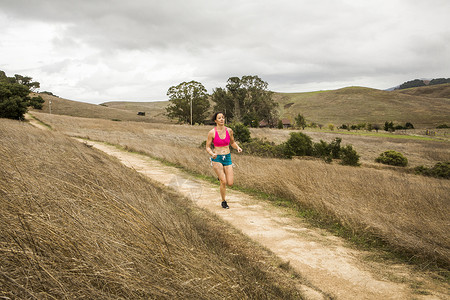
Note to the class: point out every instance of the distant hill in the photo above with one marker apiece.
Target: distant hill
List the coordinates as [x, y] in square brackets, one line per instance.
[111, 111]
[155, 110]
[433, 91]
[353, 105]
[424, 107]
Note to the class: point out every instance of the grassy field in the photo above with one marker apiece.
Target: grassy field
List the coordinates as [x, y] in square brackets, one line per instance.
[76, 224]
[409, 212]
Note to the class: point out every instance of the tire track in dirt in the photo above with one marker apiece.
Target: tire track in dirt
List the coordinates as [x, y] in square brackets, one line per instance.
[321, 258]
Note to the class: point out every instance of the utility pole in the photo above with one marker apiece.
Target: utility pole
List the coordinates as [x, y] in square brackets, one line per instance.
[50, 106]
[191, 110]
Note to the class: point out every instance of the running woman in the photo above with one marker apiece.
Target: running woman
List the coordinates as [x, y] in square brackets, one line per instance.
[222, 138]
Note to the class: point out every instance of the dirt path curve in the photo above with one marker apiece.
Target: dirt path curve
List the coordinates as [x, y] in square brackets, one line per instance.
[322, 259]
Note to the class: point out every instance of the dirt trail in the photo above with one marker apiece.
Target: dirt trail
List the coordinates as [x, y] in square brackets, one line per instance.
[321, 258]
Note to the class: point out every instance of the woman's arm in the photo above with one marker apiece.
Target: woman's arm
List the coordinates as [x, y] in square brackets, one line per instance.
[208, 144]
[233, 142]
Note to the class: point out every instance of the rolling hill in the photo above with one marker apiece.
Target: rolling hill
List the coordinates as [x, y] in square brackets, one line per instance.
[118, 111]
[352, 105]
[432, 91]
[424, 107]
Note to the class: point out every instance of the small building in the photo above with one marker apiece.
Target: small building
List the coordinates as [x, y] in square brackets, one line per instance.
[286, 123]
[263, 124]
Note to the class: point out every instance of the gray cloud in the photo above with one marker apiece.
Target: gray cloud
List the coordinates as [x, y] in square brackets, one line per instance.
[95, 47]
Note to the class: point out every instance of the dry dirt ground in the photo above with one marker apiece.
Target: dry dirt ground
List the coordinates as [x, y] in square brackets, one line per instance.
[322, 259]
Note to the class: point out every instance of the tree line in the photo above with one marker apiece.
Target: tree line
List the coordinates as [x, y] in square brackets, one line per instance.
[420, 82]
[245, 100]
[15, 96]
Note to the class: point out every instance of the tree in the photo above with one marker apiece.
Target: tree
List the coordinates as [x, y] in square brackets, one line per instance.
[300, 121]
[411, 84]
[14, 96]
[27, 81]
[389, 126]
[409, 125]
[246, 100]
[224, 102]
[439, 81]
[188, 102]
[376, 127]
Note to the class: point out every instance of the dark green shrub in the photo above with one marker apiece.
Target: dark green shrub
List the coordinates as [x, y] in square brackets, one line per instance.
[321, 149]
[280, 124]
[392, 158]
[443, 126]
[335, 147]
[389, 126]
[349, 157]
[439, 170]
[241, 132]
[298, 144]
[263, 148]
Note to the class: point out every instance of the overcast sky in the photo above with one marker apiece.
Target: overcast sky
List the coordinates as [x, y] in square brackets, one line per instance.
[97, 51]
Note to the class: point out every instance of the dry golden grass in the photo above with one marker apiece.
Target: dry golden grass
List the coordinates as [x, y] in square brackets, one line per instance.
[76, 223]
[408, 211]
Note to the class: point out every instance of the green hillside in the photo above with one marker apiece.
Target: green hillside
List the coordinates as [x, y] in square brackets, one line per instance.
[359, 105]
[432, 91]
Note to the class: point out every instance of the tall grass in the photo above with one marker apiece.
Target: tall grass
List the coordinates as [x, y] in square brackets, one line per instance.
[78, 224]
[409, 212]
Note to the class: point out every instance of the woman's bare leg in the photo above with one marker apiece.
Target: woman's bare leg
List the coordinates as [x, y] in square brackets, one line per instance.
[219, 169]
[229, 174]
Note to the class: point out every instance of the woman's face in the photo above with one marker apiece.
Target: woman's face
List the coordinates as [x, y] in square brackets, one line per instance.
[220, 119]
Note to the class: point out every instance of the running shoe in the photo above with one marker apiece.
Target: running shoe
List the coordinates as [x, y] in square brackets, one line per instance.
[225, 205]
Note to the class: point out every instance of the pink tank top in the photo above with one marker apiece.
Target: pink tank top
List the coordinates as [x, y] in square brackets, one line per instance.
[218, 142]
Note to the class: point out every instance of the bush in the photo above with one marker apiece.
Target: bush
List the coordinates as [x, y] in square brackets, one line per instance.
[280, 124]
[299, 144]
[439, 170]
[392, 158]
[263, 148]
[442, 126]
[349, 157]
[335, 147]
[321, 149]
[241, 132]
